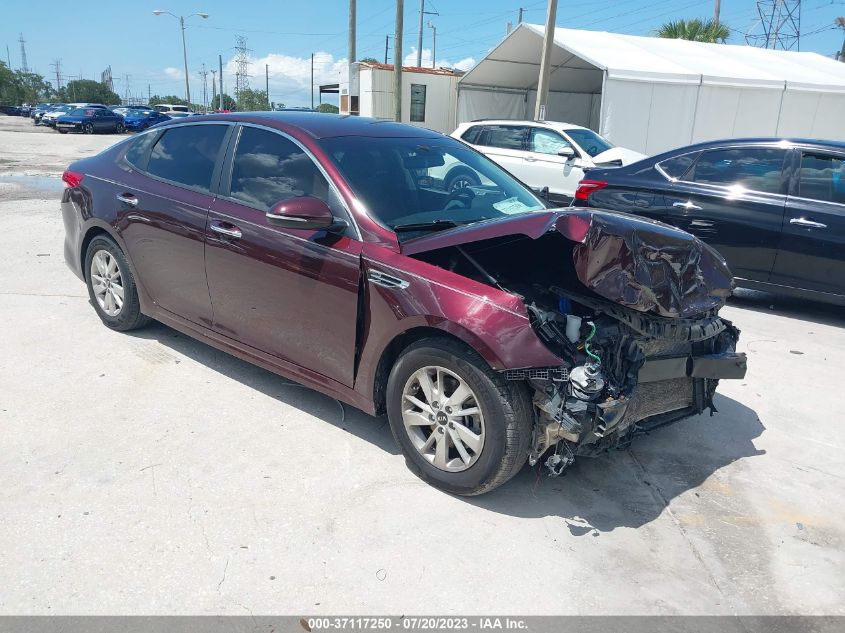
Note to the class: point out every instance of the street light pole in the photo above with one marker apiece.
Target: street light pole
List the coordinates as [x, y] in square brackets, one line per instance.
[182, 19]
[432, 26]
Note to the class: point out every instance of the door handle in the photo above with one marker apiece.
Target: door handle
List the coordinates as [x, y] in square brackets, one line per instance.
[127, 198]
[807, 223]
[530, 159]
[686, 206]
[224, 229]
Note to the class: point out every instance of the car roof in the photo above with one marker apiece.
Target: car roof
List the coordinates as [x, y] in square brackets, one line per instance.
[554, 125]
[750, 142]
[322, 125]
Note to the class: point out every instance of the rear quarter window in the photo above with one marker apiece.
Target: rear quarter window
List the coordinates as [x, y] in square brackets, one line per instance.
[139, 150]
[677, 166]
[471, 135]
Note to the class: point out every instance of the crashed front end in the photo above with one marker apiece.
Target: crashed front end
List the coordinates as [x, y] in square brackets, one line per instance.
[631, 306]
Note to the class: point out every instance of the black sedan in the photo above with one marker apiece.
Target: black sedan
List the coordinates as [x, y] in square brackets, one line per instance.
[775, 209]
[90, 120]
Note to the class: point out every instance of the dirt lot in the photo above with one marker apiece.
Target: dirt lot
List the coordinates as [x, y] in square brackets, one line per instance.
[147, 473]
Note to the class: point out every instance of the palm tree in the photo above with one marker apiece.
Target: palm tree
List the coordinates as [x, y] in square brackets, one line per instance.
[696, 30]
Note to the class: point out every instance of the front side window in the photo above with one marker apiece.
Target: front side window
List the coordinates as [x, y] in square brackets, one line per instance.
[822, 177]
[504, 136]
[756, 169]
[186, 154]
[268, 168]
[405, 181]
[589, 141]
[547, 141]
[417, 103]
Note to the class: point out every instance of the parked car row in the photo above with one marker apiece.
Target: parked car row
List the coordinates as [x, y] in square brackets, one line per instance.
[91, 118]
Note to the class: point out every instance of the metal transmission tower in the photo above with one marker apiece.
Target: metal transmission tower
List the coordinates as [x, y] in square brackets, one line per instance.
[106, 78]
[57, 67]
[779, 25]
[242, 73]
[24, 65]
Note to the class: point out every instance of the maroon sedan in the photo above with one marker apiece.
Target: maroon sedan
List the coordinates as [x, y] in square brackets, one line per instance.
[490, 329]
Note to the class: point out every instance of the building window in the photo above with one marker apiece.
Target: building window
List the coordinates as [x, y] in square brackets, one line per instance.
[417, 103]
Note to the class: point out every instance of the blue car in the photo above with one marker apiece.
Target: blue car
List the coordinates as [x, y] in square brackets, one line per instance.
[139, 120]
[90, 121]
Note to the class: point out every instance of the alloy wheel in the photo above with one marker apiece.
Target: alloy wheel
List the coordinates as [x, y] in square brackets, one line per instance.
[107, 282]
[460, 182]
[443, 418]
[89, 129]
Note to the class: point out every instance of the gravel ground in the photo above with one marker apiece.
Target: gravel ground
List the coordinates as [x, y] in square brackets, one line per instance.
[147, 473]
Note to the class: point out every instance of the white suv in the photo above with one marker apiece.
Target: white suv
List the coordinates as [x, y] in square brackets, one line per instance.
[540, 153]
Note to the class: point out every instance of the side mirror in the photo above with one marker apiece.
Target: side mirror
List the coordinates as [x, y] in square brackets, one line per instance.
[566, 152]
[304, 212]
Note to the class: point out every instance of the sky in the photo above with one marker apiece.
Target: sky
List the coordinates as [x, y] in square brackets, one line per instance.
[145, 51]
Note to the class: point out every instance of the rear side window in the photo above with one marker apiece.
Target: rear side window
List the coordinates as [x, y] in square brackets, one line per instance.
[503, 137]
[754, 169]
[269, 168]
[822, 177]
[187, 154]
[677, 166]
[139, 150]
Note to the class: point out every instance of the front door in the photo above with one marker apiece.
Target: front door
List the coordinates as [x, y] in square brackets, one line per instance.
[290, 293]
[812, 247]
[733, 199]
[561, 174]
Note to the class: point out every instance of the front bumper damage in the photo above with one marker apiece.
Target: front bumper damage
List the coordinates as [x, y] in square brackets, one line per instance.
[632, 372]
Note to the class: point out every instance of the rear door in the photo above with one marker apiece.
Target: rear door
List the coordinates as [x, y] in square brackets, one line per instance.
[733, 198]
[546, 168]
[507, 145]
[290, 293]
[812, 247]
[164, 202]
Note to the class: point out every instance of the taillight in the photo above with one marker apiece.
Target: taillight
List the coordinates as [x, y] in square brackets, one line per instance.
[72, 178]
[586, 187]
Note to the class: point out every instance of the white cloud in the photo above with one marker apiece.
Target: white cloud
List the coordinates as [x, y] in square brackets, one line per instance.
[290, 77]
[173, 73]
[411, 60]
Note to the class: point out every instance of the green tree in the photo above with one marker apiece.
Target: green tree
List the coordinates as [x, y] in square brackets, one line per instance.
[370, 60]
[171, 99]
[20, 87]
[9, 89]
[252, 100]
[696, 30]
[88, 90]
[328, 107]
[228, 103]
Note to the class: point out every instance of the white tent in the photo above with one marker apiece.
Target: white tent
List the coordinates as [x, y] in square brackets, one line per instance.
[652, 94]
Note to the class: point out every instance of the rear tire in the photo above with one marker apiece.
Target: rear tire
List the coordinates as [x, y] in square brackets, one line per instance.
[111, 286]
[503, 425]
[62, 131]
[119, 128]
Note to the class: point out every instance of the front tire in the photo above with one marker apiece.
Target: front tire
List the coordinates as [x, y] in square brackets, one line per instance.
[461, 426]
[88, 128]
[61, 131]
[460, 178]
[111, 286]
[120, 128]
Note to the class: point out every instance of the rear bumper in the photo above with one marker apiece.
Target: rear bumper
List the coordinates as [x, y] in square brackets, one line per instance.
[73, 234]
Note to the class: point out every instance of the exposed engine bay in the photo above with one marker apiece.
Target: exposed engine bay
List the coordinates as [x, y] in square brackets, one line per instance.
[632, 306]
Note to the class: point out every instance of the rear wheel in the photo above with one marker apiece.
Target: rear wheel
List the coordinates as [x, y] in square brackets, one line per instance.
[120, 128]
[460, 179]
[462, 427]
[62, 131]
[111, 286]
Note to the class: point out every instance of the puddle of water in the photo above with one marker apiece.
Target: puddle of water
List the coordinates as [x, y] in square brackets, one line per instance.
[38, 183]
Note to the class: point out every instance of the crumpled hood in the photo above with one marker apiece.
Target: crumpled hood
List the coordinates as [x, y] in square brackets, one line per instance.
[638, 263]
[627, 156]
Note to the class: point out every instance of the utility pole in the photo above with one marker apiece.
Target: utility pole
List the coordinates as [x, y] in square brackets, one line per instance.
[220, 61]
[521, 10]
[397, 61]
[126, 88]
[312, 81]
[545, 63]
[213, 88]
[149, 94]
[716, 10]
[57, 66]
[9, 57]
[840, 22]
[420, 36]
[433, 44]
[267, 83]
[352, 8]
[386, 46]
[204, 74]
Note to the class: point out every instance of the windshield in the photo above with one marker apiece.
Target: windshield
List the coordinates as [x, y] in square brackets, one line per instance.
[411, 181]
[589, 141]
